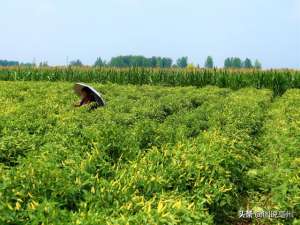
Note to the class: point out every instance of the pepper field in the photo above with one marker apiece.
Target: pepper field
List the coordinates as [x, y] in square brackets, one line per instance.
[153, 155]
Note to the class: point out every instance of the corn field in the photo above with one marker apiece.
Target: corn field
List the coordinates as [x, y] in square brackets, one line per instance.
[277, 80]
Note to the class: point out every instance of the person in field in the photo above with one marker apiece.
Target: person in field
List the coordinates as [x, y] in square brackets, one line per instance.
[88, 96]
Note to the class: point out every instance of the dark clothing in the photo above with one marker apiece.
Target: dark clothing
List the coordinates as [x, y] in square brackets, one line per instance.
[91, 99]
[88, 99]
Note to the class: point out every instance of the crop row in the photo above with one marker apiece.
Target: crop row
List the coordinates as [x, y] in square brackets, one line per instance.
[153, 155]
[276, 180]
[277, 80]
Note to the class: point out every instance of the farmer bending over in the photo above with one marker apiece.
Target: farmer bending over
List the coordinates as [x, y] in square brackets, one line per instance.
[88, 95]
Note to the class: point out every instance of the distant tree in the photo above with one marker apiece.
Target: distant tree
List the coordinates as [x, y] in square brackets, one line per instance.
[228, 63]
[8, 63]
[233, 62]
[257, 64]
[28, 64]
[99, 62]
[247, 63]
[158, 61]
[182, 62]
[166, 62]
[43, 64]
[117, 62]
[135, 61]
[237, 63]
[209, 63]
[153, 61]
[76, 63]
[140, 61]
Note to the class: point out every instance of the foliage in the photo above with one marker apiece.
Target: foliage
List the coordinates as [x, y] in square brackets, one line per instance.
[99, 62]
[43, 64]
[233, 62]
[257, 64]
[247, 63]
[76, 62]
[182, 62]
[14, 63]
[140, 61]
[153, 155]
[277, 80]
[209, 63]
[276, 180]
[8, 63]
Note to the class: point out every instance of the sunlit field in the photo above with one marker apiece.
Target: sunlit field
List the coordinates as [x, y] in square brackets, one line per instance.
[277, 80]
[153, 155]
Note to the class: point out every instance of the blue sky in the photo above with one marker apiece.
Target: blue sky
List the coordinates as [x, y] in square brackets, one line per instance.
[52, 30]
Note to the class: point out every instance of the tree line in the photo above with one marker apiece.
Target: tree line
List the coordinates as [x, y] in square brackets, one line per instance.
[152, 62]
[235, 62]
[14, 63]
[182, 62]
[141, 61]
